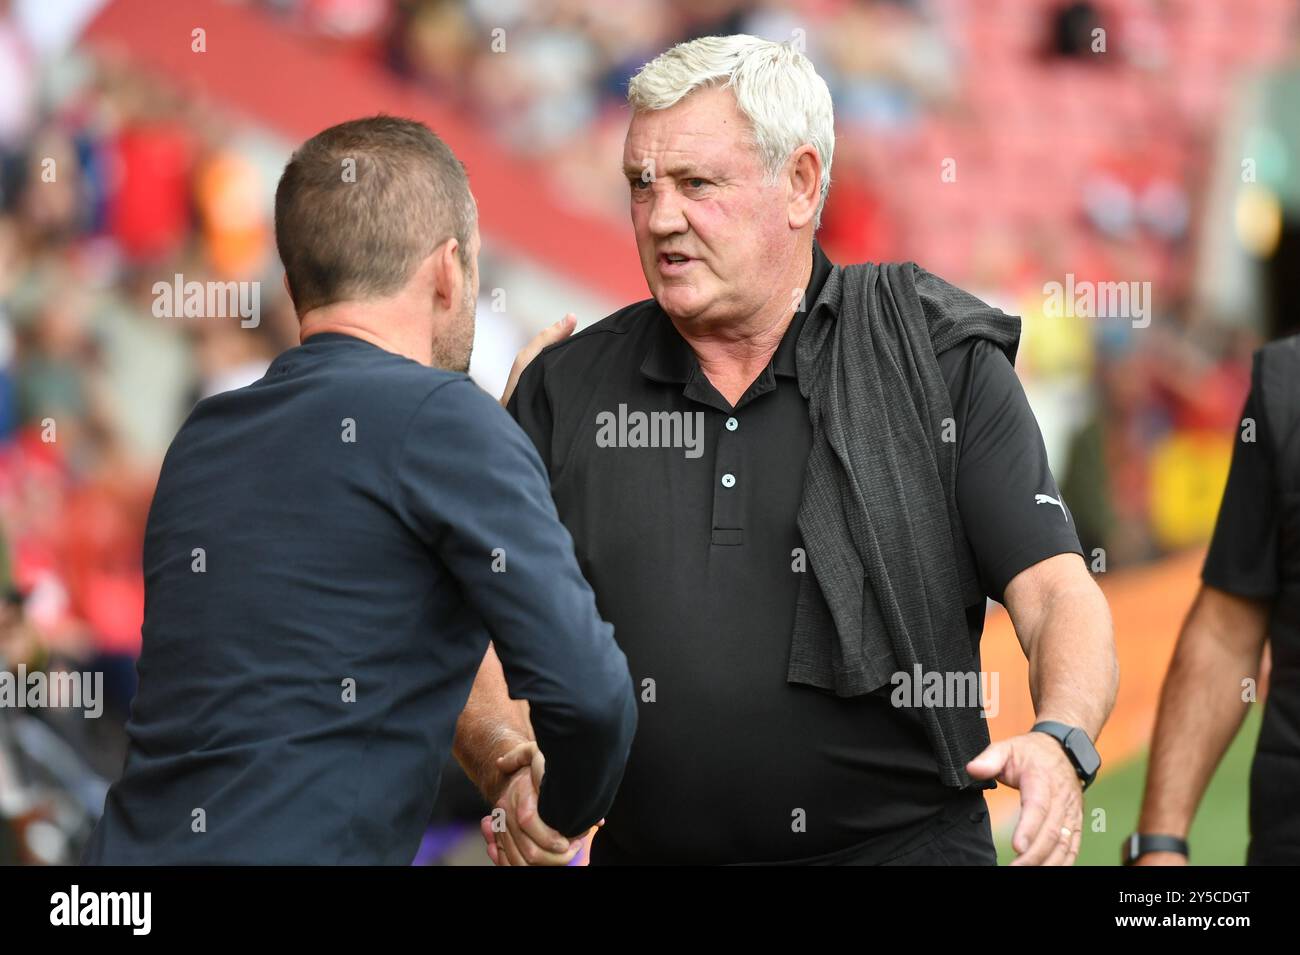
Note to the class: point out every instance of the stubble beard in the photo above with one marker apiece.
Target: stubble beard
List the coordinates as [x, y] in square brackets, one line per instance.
[452, 349]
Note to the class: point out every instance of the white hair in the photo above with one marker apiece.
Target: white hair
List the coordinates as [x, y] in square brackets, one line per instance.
[776, 88]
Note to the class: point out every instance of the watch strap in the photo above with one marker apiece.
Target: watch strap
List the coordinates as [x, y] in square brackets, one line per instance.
[1062, 733]
[1140, 843]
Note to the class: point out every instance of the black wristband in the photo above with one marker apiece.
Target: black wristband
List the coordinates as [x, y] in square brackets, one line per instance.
[1078, 747]
[1140, 843]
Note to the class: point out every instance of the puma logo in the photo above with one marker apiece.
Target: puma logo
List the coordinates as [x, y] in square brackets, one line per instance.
[1048, 499]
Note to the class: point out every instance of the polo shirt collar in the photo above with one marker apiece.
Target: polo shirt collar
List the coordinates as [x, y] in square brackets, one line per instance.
[668, 359]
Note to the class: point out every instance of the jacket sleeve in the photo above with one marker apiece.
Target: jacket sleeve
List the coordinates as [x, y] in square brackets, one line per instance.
[474, 487]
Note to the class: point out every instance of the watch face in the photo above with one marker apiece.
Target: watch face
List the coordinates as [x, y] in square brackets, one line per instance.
[1084, 752]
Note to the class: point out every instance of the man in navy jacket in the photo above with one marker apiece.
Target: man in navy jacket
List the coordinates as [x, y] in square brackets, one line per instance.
[331, 548]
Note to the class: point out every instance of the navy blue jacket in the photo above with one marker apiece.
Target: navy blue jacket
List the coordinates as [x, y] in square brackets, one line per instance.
[328, 552]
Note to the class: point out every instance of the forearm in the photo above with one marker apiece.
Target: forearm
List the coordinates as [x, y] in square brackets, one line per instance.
[1201, 710]
[490, 725]
[1073, 669]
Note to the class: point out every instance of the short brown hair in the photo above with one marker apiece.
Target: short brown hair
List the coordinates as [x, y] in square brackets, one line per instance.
[362, 203]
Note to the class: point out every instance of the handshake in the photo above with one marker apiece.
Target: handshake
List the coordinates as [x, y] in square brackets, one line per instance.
[514, 832]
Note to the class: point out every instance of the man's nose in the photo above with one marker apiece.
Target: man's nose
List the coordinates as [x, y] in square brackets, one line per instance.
[667, 217]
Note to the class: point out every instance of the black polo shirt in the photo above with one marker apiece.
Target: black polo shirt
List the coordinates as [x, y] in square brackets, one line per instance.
[692, 552]
[1254, 553]
[1242, 558]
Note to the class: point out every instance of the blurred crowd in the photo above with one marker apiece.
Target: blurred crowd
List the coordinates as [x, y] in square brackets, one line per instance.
[108, 182]
[113, 187]
[111, 181]
[1080, 135]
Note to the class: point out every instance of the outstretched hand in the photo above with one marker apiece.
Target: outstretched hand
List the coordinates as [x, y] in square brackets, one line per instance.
[1051, 796]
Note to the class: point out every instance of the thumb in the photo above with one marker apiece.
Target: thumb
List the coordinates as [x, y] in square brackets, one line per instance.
[489, 838]
[519, 757]
[990, 763]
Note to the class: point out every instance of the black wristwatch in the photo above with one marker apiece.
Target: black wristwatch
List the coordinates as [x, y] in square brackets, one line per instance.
[1077, 746]
[1140, 843]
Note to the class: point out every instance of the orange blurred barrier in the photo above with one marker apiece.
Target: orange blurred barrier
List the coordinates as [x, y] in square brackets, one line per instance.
[1148, 605]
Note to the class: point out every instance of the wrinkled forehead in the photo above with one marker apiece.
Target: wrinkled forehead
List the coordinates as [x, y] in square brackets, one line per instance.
[705, 129]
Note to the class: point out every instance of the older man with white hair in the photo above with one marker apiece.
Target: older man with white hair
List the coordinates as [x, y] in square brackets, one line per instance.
[800, 594]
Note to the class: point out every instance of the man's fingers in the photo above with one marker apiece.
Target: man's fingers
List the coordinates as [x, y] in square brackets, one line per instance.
[550, 335]
[526, 840]
[489, 838]
[531, 832]
[1047, 836]
[534, 854]
[1045, 840]
[1075, 843]
[547, 336]
[1074, 819]
[537, 842]
[513, 851]
[1033, 809]
[1060, 852]
[1035, 802]
[546, 838]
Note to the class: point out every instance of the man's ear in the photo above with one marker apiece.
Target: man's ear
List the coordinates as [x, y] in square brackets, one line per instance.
[805, 185]
[447, 276]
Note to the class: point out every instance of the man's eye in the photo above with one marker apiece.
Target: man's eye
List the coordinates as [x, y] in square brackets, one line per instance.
[697, 183]
[638, 183]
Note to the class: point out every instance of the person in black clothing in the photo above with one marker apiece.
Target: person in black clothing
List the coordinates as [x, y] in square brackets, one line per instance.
[678, 440]
[1249, 600]
[330, 549]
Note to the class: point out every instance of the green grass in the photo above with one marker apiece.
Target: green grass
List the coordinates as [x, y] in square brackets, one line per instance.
[1220, 832]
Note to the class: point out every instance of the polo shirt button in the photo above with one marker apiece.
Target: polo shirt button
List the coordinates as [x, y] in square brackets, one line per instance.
[732, 424]
[728, 480]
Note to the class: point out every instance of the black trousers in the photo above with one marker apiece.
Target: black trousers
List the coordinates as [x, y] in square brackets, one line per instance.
[1274, 819]
[960, 834]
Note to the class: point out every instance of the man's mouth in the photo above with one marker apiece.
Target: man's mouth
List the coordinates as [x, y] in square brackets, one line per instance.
[673, 260]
